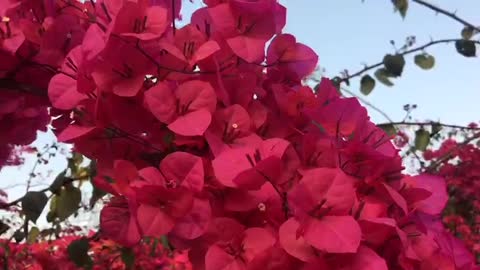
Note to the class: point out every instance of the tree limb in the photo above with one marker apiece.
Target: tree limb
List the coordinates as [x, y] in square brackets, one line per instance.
[368, 104]
[404, 123]
[448, 14]
[420, 48]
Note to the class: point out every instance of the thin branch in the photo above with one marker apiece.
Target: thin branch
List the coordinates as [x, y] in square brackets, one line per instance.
[39, 161]
[420, 48]
[367, 103]
[403, 123]
[447, 13]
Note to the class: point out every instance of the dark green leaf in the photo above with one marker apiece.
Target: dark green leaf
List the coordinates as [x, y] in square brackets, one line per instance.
[394, 64]
[78, 253]
[165, 242]
[466, 48]
[58, 182]
[367, 83]
[383, 76]
[32, 235]
[422, 139]
[97, 194]
[425, 61]
[50, 216]
[436, 128]
[3, 228]
[467, 32]
[388, 128]
[401, 6]
[67, 202]
[19, 235]
[128, 258]
[33, 203]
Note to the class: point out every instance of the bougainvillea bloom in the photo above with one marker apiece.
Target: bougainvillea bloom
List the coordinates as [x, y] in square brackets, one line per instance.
[205, 137]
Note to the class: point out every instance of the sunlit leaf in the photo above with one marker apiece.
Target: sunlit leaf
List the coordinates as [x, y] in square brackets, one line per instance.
[32, 235]
[425, 61]
[422, 139]
[67, 202]
[383, 76]
[388, 128]
[367, 84]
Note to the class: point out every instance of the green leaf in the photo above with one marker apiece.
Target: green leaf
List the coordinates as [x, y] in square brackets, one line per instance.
[467, 32]
[382, 76]
[33, 203]
[128, 258]
[388, 128]
[32, 235]
[466, 48]
[67, 202]
[3, 228]
[58, 182]
[367, 83]
[97, 194]
[78, 253]
[425, 61]
[422, 139]
[19, 235]
[394, 64]
[436, 128]
[401, 6]
[165, 242]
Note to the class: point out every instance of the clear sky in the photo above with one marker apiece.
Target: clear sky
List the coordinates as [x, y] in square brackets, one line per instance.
[348, 33]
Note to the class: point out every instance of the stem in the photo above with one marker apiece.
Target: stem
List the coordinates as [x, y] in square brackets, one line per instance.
[446, 13]
[420, 48]
[403, 123]
[367, 103]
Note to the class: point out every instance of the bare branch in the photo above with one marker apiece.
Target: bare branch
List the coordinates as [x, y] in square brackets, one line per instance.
[404, 123]
[368, 104]
[448, 14]
[420, 48]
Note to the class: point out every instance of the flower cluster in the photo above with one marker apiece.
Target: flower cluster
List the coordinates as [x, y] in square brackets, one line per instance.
[462, 175]
[26, 66]
[205, 136]
[104, 254]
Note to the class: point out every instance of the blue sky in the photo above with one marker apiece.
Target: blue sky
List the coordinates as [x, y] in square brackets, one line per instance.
[348, 33]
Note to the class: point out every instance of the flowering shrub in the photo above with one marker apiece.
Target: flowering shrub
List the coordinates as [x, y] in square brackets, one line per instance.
[458, 164]
[105, 254]
[206, 137]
